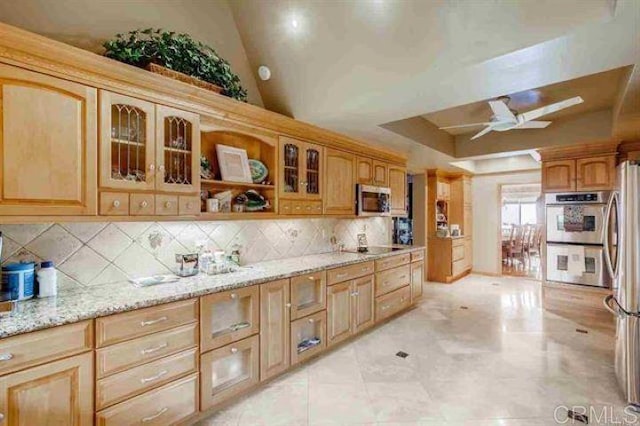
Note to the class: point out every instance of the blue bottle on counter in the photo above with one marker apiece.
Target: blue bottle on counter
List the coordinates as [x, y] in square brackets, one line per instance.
[18, 281]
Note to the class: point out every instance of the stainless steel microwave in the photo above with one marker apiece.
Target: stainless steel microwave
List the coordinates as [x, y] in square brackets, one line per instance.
[373, 200]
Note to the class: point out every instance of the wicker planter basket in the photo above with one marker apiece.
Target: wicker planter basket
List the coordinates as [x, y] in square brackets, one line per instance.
[158, 69]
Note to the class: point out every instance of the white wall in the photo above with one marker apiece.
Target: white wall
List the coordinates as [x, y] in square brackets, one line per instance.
[88, 23]
[486, 217]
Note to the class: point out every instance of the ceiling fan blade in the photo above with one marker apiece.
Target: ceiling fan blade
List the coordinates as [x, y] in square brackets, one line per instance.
[502, 111]
[533, 125]
[548, 109]
[464, 125]
[482, 133]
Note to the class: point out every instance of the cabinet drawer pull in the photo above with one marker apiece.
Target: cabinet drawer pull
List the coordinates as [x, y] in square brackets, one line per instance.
[402, 277]
[343, 275]
[287, 305]
[116, 203]
[144, 204]
[365, 269]
[152, 378]
[152, 167]
[311, 278]
[6, 356]
[384, 308]
[151, 322]
[155, 416]
[311, 320]
[234, 350]
[233, 296]
[152, 350]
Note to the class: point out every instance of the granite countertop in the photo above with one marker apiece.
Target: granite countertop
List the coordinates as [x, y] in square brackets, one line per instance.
[93, 302]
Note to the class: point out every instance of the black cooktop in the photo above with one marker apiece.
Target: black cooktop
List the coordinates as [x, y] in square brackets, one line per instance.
[375, 250]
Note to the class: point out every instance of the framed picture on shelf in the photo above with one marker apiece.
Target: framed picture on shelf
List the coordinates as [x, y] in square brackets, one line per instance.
[234, 164]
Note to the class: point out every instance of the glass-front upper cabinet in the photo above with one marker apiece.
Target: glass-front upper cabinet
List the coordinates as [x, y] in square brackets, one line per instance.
[313, 166]
[178, 151]
[127, 142]
[300, 169]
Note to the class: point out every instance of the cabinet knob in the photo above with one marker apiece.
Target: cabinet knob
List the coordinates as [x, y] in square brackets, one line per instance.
[161, 169]
[288, 305]
[152, 167]
[144, 204]
[167, 204]
[234, 296]
[234, 350]
[311, 320]
[116, 203]
[312, 278]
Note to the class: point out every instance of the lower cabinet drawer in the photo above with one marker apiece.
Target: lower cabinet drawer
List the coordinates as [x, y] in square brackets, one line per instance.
[167, 405]
[346, 273]
[459, 266]
[188, 205]
[122, 356]
[137, 380]
[166, 205]
[142, 204]
[303, 332]
[229, 371]
[457, 253]
[392, 303]
[35, 348]
[114, 203]
[392, 279]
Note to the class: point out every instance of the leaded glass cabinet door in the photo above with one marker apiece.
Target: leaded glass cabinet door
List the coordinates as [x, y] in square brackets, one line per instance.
[291, 168]
[127, 142]
[178, 150]
[311, 186]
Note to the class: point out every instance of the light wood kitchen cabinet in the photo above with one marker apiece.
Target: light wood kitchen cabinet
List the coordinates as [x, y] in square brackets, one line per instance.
[380, 173]
[300, 170]
[340, 182]
[339, 310]
[392, 279]
[365, 171]
[596, 173]
[398, 185]
[417, 280]
[349, 308]
[362, 307]
[168, 405]
[308, 294]
[48, 147]
[177, 150]
[449, 258]
[228, 371]
[60, 392]
[443, 191]
[229, 316]
[274, 328]
[127, 142]
[392, 303]
[303, 332]
[559, 176]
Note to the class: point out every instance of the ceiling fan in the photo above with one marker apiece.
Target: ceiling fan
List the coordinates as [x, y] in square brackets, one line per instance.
[504, 118]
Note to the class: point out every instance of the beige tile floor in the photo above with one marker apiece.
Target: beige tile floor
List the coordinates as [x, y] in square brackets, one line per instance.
[502, 361]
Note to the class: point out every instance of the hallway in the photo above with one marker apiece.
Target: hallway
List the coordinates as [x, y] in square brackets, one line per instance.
[481, 352]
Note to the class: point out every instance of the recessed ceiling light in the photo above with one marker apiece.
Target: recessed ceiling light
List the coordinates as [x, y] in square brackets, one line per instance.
[294, 23]
[264, 72]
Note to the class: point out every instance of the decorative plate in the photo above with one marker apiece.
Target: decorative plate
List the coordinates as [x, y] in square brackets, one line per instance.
[259, 171]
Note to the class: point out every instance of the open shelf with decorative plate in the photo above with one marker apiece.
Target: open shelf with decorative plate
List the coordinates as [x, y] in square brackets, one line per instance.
[261, 149]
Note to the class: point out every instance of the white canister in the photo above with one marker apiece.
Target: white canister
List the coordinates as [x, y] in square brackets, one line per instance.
[47, 280]
[213, 205]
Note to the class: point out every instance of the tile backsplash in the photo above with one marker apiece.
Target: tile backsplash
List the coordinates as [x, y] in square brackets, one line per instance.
[98, 253]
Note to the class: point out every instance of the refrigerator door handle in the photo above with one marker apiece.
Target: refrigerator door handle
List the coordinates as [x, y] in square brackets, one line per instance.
[607, 304]
[607, 250]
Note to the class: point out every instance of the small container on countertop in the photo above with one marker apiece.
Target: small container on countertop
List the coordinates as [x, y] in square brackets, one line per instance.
[18, 280]
[47, 280]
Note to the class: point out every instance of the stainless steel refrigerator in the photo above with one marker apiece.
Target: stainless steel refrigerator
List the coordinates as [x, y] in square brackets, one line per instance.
[622, 255]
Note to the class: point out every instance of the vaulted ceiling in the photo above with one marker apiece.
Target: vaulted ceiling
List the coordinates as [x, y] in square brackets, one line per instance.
[375, 69]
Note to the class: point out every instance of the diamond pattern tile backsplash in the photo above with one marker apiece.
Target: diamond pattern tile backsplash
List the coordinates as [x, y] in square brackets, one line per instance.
[87, 254]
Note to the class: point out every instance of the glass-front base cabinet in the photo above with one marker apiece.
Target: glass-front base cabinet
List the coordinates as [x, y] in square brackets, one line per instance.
[228, 317]
[308, 337]
[228, 371]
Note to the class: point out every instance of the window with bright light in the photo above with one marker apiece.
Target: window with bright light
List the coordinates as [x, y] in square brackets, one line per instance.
[519, 213]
